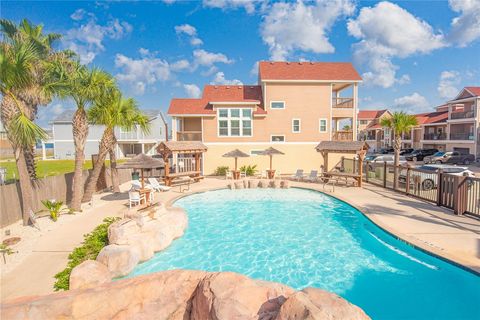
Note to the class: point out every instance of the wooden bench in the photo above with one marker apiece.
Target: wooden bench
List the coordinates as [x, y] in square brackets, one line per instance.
[340, 176]
[174, 177]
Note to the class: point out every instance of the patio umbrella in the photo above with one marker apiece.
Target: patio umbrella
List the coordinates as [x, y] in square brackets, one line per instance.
[142, 161]
[236, 154]
[270, 152]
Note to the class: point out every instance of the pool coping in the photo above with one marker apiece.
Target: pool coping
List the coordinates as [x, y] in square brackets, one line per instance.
[406, 239]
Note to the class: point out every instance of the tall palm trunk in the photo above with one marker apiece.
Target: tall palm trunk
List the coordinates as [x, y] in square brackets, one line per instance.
[114, 170]
[108, 140]
[396, 160]
[29, 154]
[8, 112]
[80, 133]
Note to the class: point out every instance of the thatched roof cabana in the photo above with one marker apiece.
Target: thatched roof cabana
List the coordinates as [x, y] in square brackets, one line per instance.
[236, 154]
[142, 161]
[271, 152]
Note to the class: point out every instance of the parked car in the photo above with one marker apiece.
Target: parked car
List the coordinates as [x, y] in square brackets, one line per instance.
[429, 181]
[389, 159]
[451, 157]
[406, 151]
[418, 155]
[386, 150]
[371, 157]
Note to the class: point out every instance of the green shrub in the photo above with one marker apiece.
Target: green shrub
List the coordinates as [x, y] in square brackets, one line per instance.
[93, 243]
[249, 170]
[221, 171]
[53, 206]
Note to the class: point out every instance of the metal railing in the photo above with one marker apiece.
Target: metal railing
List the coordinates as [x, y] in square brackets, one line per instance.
[342, 136]
[435, 136]
[189, 135]
[462, 115]
[462, 136]
[342, 102]
[459, 193]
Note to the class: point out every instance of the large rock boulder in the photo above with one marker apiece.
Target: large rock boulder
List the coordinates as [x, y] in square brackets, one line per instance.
[89, 273]
[119, 259]
[263, 184]
[184, 295]
[121, 231]
[229, 295]
[284, 184]
[253, 184]
[316, 304]
[239, 184]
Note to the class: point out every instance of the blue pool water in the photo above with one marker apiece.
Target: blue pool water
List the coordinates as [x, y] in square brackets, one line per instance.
[304, 238]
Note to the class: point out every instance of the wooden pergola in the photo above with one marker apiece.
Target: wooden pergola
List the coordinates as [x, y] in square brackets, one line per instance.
[359, 148]
[169, 148]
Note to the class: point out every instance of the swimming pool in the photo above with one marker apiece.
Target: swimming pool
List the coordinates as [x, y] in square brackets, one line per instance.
[305, 238]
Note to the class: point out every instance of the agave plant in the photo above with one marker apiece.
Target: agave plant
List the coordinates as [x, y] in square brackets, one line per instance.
[53, 206]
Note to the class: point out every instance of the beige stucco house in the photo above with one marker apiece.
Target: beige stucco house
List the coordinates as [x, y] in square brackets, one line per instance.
[293, 107]
[371, 131]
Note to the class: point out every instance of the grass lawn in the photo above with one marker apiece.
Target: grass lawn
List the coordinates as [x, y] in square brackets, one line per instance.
[48, 167]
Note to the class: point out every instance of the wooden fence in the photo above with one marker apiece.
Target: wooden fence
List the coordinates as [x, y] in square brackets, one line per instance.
[54, 187]
[459, 193]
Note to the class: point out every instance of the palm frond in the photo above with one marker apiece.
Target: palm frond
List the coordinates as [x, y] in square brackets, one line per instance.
[25, 132]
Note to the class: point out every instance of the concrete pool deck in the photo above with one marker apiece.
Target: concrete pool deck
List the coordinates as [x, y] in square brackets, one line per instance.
[422, 224]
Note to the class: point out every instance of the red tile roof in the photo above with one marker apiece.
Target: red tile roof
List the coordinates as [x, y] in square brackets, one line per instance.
[216, 93]
[474, 90]
[432, 117]
[270, 70]
[370, 114]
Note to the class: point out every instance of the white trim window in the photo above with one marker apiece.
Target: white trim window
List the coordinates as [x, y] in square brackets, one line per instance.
[296, 125]
[277, 138]
[235, 122]
[277, 105]
[322, 125]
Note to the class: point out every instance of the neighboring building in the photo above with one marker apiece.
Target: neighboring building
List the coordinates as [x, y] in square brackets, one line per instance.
[129, 143]
[370, 130]
[431, 132]
[6, 150]
[294, 106]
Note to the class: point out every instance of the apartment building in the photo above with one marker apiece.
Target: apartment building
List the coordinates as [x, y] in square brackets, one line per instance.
[371, 131]
[293, 107]
[129, 143]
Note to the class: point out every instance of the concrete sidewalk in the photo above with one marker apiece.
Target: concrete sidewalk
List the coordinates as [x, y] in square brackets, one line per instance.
[423, 224]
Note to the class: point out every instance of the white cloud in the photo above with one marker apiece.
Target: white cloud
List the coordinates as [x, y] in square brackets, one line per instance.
[192, 90]
[254, 70]
[297, 26]
[141, 72]
[466, 27]
[191, 32]
[207, 59]
[388, 31]
[414, 103]
[220, 79]
[248, 5]
[78, 15]
[87, 40]
[180, 65]
[447, 84]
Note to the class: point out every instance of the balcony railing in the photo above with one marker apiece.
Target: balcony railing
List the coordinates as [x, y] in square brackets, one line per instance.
[462, 136]
[342, 102]
[130, 135]
[462, 115]
[342, 136]
[189, 136]
[435, 136]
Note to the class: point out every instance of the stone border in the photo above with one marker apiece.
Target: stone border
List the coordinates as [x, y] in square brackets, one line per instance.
[439, 254]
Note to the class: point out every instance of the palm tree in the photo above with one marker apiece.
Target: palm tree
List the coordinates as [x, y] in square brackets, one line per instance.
[113, 111]
[85, 86]
[399, 124]
[42, 87]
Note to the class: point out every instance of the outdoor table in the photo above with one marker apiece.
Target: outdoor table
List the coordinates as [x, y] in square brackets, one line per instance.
[236, 174]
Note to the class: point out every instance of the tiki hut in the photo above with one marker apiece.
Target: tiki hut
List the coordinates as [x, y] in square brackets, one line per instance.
[141, 162]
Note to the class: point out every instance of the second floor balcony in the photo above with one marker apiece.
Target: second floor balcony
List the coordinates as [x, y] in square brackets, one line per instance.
[462, 136]
[435, 136]
[342, 103]
[342, 136]
[462, 115]
[189, 135]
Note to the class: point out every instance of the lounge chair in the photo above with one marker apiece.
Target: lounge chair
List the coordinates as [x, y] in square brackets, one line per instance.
[134, 197]
[228, 175]
[298, 175]
[157, 186]
[313, 177]
[243, 174]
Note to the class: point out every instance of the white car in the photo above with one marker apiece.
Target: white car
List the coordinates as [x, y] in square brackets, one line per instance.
[428, 181]
[389, 159]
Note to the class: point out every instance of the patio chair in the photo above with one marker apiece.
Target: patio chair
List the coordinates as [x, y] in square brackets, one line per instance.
[134, 197]
[313, 177]
[228, 175]
[278, 174]
[243, 174]
[298, 175]
[157, 186]
[138, 185]
[261, 174]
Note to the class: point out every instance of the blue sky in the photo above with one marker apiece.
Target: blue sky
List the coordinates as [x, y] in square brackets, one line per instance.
[413, 55]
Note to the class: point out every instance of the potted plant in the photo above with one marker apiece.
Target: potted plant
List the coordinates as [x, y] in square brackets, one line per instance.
[53, 206]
